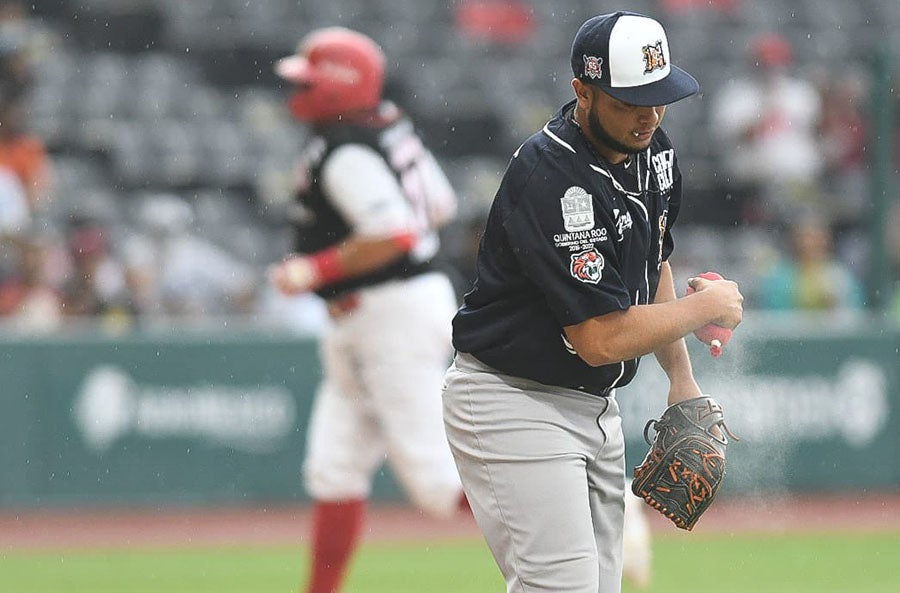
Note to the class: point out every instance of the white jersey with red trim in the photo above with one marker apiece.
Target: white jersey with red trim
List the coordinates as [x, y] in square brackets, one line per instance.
[372, 180]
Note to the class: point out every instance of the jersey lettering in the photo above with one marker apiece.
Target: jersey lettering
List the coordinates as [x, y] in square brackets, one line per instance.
[581, 240]
[663, 223]
[419, 173]
[623, 223]
[663, 163]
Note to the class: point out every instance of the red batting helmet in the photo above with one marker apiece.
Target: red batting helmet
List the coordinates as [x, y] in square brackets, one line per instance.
[336, 71]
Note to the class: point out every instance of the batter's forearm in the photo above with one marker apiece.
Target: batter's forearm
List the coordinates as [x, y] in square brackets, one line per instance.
[353, 257]
[361, 256]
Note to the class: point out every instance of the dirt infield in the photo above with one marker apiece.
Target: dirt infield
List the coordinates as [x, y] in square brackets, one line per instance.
[98, 528]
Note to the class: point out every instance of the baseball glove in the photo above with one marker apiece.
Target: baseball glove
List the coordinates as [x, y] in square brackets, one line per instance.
[685, 465]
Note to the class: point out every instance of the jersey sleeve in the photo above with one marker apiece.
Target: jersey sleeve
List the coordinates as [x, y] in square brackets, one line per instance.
[572, 261]
[364, 189]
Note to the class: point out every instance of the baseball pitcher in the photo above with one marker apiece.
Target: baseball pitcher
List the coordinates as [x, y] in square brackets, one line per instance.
[573, 287]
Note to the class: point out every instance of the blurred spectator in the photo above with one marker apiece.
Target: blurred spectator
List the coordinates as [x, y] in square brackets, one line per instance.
[893, 250]
[766, 124]
[894, 305]
[500, 21]
[171, 272]
[15, 223]
[843, 135]
[676, 6]
[25, 41]
[15, 69]
[809, 277]
[27, 299]
[23, 154]
[96, 286]
[477, 179]
[15, 214]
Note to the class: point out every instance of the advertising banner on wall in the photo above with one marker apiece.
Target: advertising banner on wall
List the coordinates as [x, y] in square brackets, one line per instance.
[212, 420]
[814, 412]
[156, 421]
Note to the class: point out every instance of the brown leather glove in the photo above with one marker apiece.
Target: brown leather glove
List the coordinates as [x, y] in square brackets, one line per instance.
[685, 465]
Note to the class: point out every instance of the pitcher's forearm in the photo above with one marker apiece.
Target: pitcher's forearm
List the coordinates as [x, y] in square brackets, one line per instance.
[639, 330]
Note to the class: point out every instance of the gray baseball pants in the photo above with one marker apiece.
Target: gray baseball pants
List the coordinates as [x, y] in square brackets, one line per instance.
[544, 471]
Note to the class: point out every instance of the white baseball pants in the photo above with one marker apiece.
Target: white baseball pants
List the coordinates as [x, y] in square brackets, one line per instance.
[544, 471]
[384, 363]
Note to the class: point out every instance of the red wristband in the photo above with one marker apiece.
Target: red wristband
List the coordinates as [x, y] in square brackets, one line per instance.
[405, 241]
[328, 265]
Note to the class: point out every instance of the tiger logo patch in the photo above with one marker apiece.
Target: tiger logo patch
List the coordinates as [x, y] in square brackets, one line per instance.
[654, 58]
[587, 266]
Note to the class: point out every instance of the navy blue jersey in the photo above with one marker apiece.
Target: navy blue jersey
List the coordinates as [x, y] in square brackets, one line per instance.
[569, 237]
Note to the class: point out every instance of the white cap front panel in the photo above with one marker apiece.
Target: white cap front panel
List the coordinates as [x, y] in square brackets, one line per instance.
[638, 52]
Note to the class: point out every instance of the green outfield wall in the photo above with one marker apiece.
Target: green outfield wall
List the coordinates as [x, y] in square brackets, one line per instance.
[212, 418]
[816, 404]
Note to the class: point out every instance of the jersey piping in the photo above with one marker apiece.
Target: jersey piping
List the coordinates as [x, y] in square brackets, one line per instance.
[557, 139]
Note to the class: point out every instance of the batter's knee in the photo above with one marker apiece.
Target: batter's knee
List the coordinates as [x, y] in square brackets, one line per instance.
[324, 482]
[439, 499]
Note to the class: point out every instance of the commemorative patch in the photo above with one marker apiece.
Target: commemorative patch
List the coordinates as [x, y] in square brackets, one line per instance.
[593, 66]
[577, 210]
[587, 266]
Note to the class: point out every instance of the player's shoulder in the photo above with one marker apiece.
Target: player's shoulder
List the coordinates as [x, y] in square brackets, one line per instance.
[662, 152]
[336, 136]
[556, 151]
[661, 141]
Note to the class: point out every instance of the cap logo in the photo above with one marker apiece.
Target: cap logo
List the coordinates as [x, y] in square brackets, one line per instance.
[593, 66]
[654, 58]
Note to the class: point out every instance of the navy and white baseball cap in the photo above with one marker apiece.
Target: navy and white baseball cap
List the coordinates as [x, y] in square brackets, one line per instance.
[627, 55]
